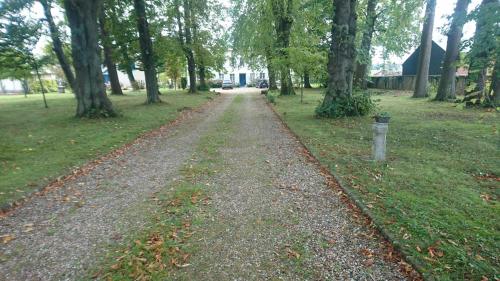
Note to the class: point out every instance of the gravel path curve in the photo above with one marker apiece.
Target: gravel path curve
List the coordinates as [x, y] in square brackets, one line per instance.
[275, 218]
[58, 236]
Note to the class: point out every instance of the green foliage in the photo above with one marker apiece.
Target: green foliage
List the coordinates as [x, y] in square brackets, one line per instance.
[355, 105]
[184, 82]
[48, 85]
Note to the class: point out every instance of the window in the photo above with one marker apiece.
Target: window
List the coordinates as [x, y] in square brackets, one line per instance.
[262, 75]
[252, 77]
[231, 76]
[221, 76]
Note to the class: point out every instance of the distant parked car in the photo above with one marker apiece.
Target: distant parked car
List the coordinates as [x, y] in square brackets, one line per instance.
[262, 84]
[227, 84]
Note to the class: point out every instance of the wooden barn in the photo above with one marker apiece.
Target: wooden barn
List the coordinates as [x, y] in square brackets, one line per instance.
[437, 55]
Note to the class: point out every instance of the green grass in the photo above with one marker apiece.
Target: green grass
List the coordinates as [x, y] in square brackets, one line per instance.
[437, 195]
[39, 144]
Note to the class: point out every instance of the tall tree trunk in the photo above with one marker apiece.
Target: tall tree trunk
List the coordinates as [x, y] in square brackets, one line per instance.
[89, 83]
[26, 88]
[129, 68]
[366, 44]
[495, 84]
[284, 21]
[424, 58]
[116, 89]
[147, 53]
[57, 44]
[307, 80]
[186, 41]
[41, 83]
[270, 71]
[342, 53]
[202, 74]
[452, 50]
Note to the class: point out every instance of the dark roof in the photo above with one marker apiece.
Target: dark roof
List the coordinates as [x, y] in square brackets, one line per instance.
[437, 55]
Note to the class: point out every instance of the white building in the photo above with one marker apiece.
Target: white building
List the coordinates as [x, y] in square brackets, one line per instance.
[242, 75]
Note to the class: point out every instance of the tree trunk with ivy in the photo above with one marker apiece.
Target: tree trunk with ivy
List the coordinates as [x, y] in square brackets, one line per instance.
[147, 53]
[307, 80]
[342, 53]
[89, 83]
[424, 58]
[57, 45]
[283, 14]
[366, 44]
[116, 88]
[452, 51]
[270, 71]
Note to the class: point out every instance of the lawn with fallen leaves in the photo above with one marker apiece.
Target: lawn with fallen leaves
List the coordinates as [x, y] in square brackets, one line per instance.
[38, 145]
[436, 195]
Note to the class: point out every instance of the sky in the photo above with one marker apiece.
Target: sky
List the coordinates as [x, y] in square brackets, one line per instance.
[444, 8]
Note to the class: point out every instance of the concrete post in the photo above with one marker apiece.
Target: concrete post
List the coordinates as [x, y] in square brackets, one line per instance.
[379, 140]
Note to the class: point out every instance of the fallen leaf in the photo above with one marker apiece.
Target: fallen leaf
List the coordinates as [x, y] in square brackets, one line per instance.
[7, 238]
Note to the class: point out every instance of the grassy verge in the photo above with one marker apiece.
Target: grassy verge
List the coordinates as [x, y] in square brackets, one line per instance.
[166, 246]
[437, 194]
[39, 144]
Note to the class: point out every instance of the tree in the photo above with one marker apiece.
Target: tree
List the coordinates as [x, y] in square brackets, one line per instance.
[342, 54]
[485, 47]
[362, 63]
[57, 45]
[445, 89]
[148, 59]
[185, 31]
[89, 84]
[425, 51]
[107, 47]
[16, 47]
[283, 20]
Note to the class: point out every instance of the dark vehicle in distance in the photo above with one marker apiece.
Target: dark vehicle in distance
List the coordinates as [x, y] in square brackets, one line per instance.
[261, 84]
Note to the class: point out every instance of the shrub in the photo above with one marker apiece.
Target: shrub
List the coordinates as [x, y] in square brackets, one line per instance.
[355, 105]
[184, 82]
[48, 85]
[271, 97]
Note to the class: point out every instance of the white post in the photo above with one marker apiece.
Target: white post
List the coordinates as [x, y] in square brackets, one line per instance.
[379, 140]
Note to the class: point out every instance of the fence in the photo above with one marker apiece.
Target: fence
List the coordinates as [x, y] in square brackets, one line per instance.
[407, 83]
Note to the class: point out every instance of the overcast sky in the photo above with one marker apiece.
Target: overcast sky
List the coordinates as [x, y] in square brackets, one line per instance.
[444, 9]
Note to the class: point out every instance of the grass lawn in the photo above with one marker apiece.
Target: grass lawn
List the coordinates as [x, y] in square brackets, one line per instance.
[38, 144]
[437, 195]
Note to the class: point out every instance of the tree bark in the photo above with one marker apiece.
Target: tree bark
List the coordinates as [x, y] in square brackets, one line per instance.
[129, 68]
[307, 81]
[270, 71]
[284, 20]
[185, 38]
[202, 74]
[26, 88]
[41, 84]
[495, 84]
[342, 53]
[89, 83]
[57, 44]
[116, 89]
[452, 50]
[147, 53]
[366, 44]
[424, 58]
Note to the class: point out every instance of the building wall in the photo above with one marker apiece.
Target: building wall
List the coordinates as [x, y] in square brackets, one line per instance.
[10, 86]
[407, 83]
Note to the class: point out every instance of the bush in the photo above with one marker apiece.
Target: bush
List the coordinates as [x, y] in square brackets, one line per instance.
[184, 82]
[355, 105]
[271, 96]
[48, 85]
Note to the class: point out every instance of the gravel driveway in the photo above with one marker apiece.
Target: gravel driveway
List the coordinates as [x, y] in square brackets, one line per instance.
[274, 217]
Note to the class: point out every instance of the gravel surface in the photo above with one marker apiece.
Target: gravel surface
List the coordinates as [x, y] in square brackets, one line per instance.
[58, 236]
[274, 217]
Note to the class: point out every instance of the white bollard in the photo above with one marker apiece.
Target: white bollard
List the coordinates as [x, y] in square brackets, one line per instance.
[379, 140]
